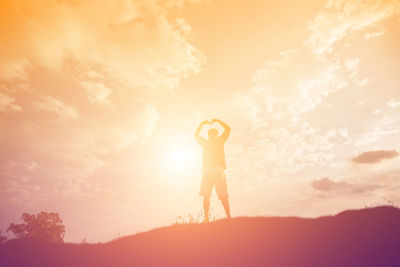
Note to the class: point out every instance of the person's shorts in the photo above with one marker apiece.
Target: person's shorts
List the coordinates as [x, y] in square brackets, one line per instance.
[214, 176]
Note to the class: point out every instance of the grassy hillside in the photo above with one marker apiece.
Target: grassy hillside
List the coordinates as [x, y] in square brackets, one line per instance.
[368, 237]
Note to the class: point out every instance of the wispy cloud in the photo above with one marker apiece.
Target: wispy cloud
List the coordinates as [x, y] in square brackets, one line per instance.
[393, 103]
[50, 104]
[338, 20]
[8, 103]
[97, 93]
[370, 35]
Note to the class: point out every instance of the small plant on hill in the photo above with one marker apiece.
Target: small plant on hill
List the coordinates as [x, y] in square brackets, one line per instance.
[195, 218]
[390, 202]
[387, 202]
[44, 226]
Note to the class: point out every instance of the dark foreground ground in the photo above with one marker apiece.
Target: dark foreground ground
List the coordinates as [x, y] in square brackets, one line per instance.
[368, 237]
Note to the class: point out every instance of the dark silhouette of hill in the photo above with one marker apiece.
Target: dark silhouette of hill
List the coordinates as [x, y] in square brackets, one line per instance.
[367, 237]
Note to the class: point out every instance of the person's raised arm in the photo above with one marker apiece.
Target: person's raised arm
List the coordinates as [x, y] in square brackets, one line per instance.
[200, 139]
[227, 130]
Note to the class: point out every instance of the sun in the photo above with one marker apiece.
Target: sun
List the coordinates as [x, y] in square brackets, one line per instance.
[179, 153]
[179, 158]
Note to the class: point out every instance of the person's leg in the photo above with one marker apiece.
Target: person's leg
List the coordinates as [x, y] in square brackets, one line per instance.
[205, 192]
[225, 203]
[222, 190]
[206, 208]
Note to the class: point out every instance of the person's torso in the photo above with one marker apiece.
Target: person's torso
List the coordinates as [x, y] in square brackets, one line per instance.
[214, 154]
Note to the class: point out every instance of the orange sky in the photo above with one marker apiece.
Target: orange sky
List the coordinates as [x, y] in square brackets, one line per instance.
[99, 101]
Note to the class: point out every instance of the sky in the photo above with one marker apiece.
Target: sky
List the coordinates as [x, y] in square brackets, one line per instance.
[99, 101]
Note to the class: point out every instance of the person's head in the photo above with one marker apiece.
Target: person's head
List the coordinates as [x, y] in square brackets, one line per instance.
[212, 133]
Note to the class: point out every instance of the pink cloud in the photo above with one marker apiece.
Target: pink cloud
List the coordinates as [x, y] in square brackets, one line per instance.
[328, 185]
[372, 157]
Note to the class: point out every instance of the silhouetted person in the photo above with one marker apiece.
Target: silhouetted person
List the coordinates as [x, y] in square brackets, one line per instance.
[214, 166]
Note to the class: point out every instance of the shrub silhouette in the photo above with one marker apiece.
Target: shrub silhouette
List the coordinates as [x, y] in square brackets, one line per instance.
[44, 226]
[2, 238]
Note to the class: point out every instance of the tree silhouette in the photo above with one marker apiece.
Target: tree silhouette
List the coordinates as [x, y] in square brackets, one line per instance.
[2, 238]
[44, 226]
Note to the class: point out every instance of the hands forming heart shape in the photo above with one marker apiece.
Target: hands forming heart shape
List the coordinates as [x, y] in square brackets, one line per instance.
[211, 121]
[213, 124]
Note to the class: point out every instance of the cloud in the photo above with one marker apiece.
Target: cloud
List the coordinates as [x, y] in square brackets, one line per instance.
[334, 4]
[375, 134]
[132, 41]
[97, 93]
[146, 119]
[73, 58]
[287, 89]
[326, 184]
[338, 20]
[8, 103]
[13, 69]
[392, 104]
[301, 112]
[351, 65]
[62, 155]
[372, 157]
[296, 82]
[371, 35]
[31, 166]
[50, 104]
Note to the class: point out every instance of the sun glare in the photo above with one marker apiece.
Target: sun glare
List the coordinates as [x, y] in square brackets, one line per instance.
[180, 158]
[179, 154]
